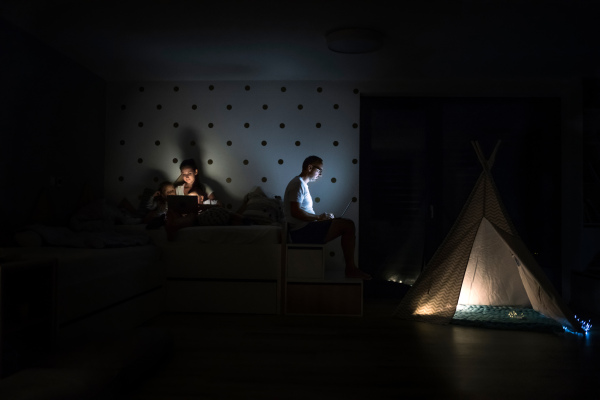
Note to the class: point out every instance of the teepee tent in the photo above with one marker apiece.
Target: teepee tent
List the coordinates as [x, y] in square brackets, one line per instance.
[482, 261]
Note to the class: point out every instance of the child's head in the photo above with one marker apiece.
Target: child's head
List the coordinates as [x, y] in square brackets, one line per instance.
[189, 170]
[166, 189]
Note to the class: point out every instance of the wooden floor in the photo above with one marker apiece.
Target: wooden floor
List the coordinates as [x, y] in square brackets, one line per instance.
[371, 357]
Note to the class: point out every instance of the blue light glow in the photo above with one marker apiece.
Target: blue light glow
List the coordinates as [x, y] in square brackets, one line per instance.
[586, 326]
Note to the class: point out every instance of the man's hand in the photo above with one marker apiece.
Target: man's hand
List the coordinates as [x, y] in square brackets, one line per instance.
[325, 216]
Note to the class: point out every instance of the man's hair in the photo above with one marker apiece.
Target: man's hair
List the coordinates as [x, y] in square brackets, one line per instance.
[311, 160]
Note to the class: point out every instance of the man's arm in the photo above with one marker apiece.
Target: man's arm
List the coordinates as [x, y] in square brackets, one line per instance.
[302, 215]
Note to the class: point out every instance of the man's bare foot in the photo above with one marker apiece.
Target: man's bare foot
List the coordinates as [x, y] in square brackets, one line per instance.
[357, 273]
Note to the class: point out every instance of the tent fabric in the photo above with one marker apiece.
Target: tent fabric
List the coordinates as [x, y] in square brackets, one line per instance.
[483, 251]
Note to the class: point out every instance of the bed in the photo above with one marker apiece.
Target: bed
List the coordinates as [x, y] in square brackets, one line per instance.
[228, 269]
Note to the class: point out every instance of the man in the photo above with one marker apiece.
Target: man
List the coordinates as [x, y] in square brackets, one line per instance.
[307, 227]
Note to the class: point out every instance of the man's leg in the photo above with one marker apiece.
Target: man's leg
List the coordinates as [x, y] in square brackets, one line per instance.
[346, 229]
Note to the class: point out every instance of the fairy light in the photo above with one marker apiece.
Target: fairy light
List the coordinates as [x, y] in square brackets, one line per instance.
[586, 326]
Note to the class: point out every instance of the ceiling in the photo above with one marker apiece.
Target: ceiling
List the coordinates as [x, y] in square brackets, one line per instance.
[181, 40]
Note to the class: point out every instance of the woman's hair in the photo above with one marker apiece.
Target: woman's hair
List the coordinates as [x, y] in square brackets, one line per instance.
[188, 163]
[196, 186]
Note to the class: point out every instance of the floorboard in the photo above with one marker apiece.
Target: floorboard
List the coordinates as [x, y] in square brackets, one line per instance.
[375, 356]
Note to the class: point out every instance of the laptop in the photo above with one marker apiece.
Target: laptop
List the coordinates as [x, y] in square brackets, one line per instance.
[183, 204]
[345, 209]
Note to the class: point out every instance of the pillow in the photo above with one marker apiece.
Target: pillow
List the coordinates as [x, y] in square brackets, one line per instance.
[261, 209]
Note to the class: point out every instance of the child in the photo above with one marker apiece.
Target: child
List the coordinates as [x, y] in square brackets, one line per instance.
[157, 205]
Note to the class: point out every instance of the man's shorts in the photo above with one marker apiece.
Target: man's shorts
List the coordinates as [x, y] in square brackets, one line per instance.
[313, 232]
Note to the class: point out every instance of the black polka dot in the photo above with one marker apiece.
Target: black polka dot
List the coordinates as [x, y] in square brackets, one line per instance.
[247, 88]
[175, 161]
[211, 87]
[228, 180]
[319, 89]
[283, 89]
[210, 124]
[317, 199]
[280, 161]
[354, 199]
[264, 142]
[300, 106]
[209, 162]
[158, 107]
[355, 125]
[336, 106]
[297, 143]
[140, 124]
[356, 91]
[229, 143]
[122, 142]
[194, 106]
[193, 143]
[157, 143]
[246, 125]
[121, 179]
[332, 254]
[333, 180]
[354, 161]
[318, 125]
[264, 179]
[265, 106]
[176, 88]
[141, 88]
[282, 125]
[229, 107]
[245, 162]
[336, 143]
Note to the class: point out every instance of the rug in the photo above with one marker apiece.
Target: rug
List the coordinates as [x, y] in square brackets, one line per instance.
[504, 317]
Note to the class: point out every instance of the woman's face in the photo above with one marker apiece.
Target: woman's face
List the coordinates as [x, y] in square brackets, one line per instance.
[189, 174]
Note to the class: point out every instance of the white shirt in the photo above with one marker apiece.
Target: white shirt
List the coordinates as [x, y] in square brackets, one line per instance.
[297, 191]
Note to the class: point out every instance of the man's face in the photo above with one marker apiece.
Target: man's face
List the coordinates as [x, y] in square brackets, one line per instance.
[315, 171]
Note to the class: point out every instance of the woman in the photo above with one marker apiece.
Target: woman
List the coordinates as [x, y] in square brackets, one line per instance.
[188, 184]
[209, 215]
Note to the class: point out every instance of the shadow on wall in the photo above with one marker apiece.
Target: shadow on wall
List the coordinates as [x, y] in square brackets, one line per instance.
[189, 143]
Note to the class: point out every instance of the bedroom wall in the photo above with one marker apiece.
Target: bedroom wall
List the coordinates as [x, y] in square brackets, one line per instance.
[241, 134]
[52, 114]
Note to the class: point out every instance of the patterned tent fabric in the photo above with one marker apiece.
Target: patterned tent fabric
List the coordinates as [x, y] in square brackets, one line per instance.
[435, 294]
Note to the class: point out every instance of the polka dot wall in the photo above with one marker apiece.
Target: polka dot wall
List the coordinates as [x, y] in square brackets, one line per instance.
[241, 134]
